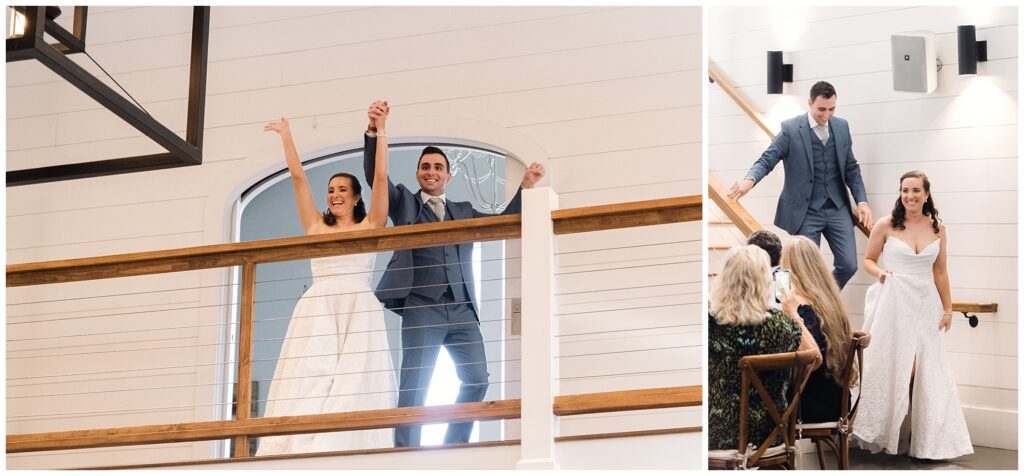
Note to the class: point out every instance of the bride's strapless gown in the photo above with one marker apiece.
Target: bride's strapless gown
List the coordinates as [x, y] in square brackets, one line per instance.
[335, 358]
[903, 317]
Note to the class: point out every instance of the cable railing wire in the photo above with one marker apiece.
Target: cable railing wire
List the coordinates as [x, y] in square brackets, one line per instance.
[625, 309]
[626, 267]
[268, 339]
[698, 255]
[628, 288]
[614, 248]
[204, 405]
[290, 318]
[236, 303]
[272, 379]
[258, 360]
[194, 288]
[627, 351]
[631, 374]
[628, 330]
[621, 338]
[192, 407]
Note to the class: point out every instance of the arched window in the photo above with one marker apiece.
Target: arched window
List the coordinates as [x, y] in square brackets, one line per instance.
[267, 210]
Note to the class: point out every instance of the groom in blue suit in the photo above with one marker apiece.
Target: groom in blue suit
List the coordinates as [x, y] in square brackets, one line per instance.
[818, 154]
[432, 288]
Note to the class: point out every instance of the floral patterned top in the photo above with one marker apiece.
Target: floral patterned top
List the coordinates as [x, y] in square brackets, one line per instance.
[726, 346]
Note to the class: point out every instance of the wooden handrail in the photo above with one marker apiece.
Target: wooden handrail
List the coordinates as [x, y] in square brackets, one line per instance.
[975, 307]
[625, 215]
[360, 420]
[573, 220]
[645, 399]
[264, 251]
[739, 215]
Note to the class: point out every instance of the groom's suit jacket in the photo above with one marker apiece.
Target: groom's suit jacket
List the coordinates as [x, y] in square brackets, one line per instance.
[406, 208]
[793, 146]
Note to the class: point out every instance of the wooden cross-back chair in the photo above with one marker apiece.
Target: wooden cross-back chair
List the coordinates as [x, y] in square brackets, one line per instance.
[764, 455]
[836, 434]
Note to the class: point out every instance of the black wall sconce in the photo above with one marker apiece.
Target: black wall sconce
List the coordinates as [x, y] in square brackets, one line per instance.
[970, 50]
[778, 73]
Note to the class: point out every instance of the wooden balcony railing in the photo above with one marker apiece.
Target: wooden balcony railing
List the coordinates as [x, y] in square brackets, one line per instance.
[249, 254]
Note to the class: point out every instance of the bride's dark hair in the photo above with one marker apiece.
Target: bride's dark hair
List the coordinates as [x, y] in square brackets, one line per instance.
[899, 212]
[359, 212]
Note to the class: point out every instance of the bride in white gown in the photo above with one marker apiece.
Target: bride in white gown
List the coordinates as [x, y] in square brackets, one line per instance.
[907, 312]
[335, 356]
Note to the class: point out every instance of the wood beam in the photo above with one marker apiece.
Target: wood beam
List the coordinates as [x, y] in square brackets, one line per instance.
[645, 399]
[626, 215]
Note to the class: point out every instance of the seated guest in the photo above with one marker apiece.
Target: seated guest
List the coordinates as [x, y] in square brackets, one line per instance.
[742, 322]
[815, 298]
[770, 243]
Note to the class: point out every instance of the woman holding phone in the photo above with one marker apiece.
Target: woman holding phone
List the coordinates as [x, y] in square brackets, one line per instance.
[743, 322]
[814, 299]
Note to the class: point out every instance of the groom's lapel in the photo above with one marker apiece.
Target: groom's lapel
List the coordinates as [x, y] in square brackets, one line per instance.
[805, 137]
[459, 210]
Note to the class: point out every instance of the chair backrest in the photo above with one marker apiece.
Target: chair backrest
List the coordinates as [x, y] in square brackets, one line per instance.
[860, 341]
[784, 420]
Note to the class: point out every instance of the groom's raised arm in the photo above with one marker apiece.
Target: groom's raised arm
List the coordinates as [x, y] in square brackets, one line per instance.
[370, 161]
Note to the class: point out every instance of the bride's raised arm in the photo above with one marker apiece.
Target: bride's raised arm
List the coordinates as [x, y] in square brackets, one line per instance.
[377, 216]
[303, 194]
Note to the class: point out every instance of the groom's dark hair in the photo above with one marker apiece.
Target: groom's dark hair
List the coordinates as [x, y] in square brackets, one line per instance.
[434, 150]
[823, 89]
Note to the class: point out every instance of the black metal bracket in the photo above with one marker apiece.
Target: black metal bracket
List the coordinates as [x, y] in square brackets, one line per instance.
[180, 152]
[787, 73]
[982, 51]
[972, 320]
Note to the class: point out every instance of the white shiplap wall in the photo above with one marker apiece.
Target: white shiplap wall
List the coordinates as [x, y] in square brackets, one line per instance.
[963, 135]
[608, 97]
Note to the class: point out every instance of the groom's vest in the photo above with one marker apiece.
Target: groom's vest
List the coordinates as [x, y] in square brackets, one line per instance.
[437, 267]
[827, 182]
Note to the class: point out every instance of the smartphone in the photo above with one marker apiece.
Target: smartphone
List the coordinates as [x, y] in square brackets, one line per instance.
[781, 283]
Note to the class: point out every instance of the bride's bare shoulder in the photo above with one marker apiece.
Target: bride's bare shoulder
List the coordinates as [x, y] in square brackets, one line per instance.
[883, 224]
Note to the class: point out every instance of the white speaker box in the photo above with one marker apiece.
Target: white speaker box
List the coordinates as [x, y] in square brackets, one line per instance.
[913, 62]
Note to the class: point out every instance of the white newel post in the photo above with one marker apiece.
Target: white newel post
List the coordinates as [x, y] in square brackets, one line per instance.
[539, 327]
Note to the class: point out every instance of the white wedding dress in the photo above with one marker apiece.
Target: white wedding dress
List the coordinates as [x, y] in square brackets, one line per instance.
[335, 358]
[903, 317]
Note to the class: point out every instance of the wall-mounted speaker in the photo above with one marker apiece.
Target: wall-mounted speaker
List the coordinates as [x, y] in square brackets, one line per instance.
[914, 62]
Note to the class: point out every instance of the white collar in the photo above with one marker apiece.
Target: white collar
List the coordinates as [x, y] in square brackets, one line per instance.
[812, 122]
[426, 197]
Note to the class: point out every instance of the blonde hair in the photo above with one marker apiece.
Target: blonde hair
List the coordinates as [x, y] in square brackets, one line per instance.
[744, 289]
[811, 278]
